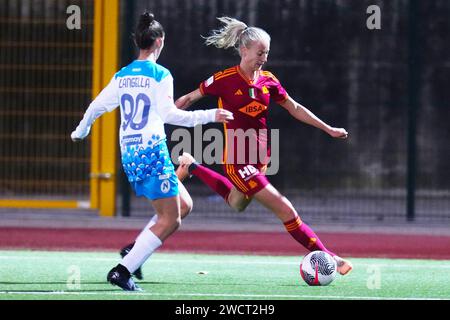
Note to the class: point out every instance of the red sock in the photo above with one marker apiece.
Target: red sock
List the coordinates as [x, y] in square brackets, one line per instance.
[215, 181]
[301, 232]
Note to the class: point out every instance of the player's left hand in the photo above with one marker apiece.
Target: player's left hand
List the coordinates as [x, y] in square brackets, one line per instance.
[340, 133]
[223, 115]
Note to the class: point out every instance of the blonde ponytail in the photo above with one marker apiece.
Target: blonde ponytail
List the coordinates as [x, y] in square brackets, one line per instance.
[228, 35]
[235, 34]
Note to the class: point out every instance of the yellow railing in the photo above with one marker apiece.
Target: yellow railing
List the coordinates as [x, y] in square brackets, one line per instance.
[104, 132]
[42, 204]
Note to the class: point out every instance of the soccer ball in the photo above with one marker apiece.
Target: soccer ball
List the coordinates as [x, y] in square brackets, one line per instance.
[318, 268]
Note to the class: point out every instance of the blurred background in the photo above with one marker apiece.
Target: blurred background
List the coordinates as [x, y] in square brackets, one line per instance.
[388, 87]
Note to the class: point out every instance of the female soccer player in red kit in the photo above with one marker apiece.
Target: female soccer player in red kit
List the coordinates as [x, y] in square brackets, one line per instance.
[246, 90]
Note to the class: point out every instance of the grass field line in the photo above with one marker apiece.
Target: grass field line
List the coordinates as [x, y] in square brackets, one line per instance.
[444, 265]
[222, 295]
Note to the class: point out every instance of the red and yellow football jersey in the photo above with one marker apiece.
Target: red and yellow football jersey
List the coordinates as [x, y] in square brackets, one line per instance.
[249, 103]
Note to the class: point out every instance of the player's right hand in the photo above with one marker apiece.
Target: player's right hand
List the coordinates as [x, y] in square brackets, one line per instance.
[340, 133]
[74, 137]
[224, 116]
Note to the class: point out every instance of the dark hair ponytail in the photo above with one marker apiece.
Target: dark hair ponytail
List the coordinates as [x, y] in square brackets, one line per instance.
[147, 31]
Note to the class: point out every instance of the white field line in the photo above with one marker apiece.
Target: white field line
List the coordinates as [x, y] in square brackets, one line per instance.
[222, 295]
[444, 265]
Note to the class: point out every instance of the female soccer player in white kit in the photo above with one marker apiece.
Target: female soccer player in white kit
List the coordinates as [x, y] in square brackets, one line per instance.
[144, 91]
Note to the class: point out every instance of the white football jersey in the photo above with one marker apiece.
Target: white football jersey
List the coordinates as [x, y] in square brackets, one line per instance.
[144, 91]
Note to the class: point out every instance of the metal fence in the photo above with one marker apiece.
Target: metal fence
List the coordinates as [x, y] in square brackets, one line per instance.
[45, 85]
[387, 87]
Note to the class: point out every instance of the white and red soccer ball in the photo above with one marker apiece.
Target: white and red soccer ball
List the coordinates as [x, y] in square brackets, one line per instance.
[318, 268]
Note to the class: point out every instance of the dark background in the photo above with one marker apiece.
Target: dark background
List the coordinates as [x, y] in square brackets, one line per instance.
[348, 75]
[388, 88]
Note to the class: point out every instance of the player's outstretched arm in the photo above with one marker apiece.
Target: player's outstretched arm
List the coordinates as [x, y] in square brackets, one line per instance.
[84, 127]
[187, 100]
[106, 101]
[171, 114]
[301, 113]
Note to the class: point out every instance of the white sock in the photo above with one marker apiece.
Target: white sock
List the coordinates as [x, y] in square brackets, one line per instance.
[146, 243]
[152, 222]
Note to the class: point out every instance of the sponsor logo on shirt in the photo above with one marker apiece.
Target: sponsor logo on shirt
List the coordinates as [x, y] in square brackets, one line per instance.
[238, 92]
[132, 139]
[253, 109]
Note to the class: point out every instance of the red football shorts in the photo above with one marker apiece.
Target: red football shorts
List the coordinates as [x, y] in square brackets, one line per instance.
[248, 179]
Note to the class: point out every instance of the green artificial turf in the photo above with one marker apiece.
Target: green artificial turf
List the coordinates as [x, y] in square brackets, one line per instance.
[42, 275]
